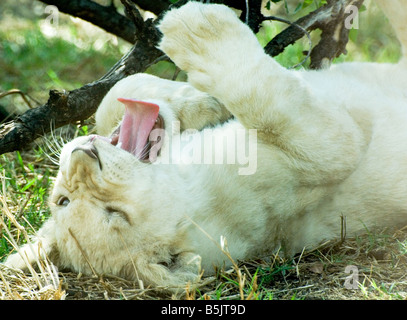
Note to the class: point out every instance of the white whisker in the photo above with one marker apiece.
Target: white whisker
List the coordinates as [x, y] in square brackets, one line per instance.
[143, 152]
[53, 143]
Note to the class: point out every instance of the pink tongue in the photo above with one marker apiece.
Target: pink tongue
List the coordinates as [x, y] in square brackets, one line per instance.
[138, 121]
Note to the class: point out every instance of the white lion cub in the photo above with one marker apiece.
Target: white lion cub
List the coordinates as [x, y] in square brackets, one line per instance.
[155, 199]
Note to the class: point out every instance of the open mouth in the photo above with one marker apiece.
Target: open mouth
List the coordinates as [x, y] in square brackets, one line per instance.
[134, 135]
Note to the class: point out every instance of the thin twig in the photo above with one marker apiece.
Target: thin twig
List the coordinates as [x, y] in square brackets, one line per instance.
[22, 94]
[83, 252]
[303, 30]
[140, 282]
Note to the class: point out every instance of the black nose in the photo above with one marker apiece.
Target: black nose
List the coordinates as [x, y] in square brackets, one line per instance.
[90, 150]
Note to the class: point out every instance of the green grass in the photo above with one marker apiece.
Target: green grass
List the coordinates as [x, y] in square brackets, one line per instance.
[27, 179]
[25, 185]
[35, 63]
[30, 60]
[372, 41]
[34, 59]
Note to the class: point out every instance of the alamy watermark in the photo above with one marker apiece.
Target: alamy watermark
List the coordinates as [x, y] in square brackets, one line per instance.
[53, 15]
[352, 21]
[352, 281]
[210, 146]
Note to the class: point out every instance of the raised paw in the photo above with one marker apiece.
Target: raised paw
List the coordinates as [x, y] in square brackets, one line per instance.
[189, 30]
[205, 40]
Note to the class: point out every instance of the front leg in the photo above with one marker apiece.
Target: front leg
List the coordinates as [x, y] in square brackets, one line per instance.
[42, 246]
[223, 57]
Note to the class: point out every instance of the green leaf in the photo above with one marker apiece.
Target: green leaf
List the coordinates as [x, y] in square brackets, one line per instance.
[353, 34]
[299, 7]
[29, 184]
[286, 6]
[307, 3]
[20, 160]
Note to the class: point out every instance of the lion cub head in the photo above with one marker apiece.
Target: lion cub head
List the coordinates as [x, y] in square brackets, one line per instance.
[104, 208]
[108, 216]
[114, 210]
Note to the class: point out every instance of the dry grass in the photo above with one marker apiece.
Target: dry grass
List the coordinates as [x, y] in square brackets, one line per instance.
[379, 258]
[319, 274]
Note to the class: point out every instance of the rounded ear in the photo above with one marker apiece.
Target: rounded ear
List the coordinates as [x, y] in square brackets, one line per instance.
[108, 115]
[200, 111]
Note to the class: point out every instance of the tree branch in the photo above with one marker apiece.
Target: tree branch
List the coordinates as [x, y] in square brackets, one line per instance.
[106, 18]
[326, 18]
[335, 35]
[65, 107]
[68, 107]
[156, 6]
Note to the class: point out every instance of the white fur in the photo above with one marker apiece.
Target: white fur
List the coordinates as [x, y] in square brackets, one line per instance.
[329, 143]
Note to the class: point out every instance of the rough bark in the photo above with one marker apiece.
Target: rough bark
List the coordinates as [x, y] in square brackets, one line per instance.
[335, 35]
[106, 18]
[65, 107]
[328, 19]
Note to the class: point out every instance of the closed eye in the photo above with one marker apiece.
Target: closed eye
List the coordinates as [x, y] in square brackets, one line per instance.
[118, 212]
